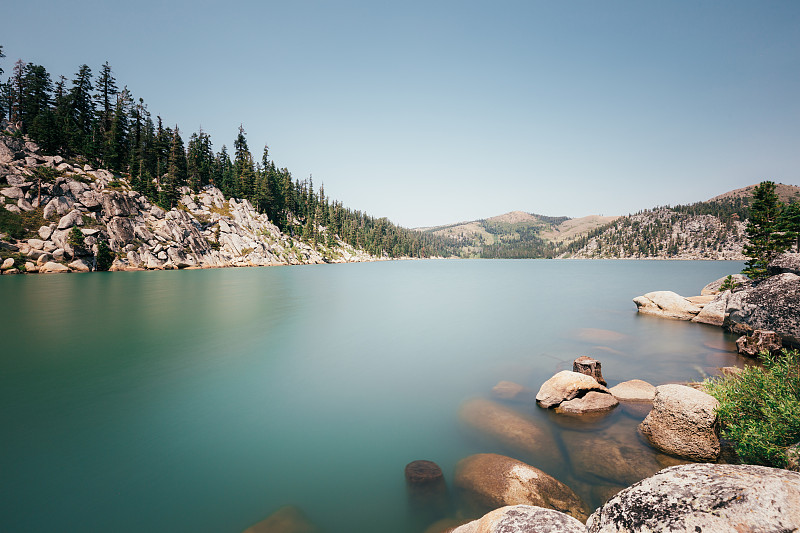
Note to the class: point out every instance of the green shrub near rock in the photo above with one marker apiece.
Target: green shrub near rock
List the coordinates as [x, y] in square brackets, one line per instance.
[759, 408]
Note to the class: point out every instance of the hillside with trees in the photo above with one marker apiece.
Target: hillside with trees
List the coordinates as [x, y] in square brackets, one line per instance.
[93, 119]
[714, 229]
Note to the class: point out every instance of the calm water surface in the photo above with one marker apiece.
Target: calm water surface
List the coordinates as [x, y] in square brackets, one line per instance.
[204, 400]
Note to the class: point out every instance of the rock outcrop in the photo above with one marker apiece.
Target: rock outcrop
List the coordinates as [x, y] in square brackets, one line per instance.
[495, 481]
[788, 262]
[770, 305]
[705, 497]
[205, 230]
[523, 519]
[683, 423]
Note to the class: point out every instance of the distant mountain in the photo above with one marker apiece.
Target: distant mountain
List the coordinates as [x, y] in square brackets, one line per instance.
[517, 234]
[713, 229]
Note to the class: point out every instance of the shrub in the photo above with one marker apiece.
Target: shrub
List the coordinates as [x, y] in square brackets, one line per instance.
[759, 408]
[729, 284]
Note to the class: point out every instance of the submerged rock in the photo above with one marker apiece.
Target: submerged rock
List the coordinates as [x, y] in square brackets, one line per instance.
[513, 392]
[288, 519]
[705, 498]
[613, 456]
[523, 519]
[512, 429]
[683, 423]
[495, 480]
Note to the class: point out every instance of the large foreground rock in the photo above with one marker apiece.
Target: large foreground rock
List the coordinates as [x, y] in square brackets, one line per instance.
[496, 480]
[705, 498]
[518, 432]
[770, 305]
[523, 519]
[564, 386]
[666, 304]
[683, 423]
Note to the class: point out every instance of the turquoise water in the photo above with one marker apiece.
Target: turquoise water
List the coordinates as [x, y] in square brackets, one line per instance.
[204, 400]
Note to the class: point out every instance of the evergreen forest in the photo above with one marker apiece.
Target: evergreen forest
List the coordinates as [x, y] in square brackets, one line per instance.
[92, 118]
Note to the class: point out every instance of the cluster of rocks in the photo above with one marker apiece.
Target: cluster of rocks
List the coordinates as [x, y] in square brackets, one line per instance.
[204, 231]
[685, 498]
[769, 305]
[644, 490]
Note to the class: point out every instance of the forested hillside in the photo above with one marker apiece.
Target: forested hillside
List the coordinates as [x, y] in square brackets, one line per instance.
[94, 119]
[714, 229]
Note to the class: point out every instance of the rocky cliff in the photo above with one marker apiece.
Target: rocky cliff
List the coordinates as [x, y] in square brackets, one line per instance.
[43, 197]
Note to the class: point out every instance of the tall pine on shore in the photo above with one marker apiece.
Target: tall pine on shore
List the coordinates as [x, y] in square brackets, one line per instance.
[767, 240]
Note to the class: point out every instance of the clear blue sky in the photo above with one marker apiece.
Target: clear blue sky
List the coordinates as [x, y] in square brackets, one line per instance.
[436, 112]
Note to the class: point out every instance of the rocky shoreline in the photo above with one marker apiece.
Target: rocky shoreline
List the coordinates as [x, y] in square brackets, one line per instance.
[204, 231]
[747, 307]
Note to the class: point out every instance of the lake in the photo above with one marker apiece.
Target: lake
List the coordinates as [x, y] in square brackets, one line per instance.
[205, 400]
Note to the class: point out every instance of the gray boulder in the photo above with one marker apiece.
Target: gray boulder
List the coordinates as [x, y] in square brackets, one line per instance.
[705, 497]
[13, 192]
[53, 268]
[635, 396]
[73, 218]
[683, 423]
[770, 305]
[564, 386]
[495, 481]
[523, 519]
[788, 262]
[666, 304]
[120, 232]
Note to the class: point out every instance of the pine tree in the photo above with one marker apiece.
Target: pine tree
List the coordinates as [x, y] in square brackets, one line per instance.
[790, 223]
[766, 240]
[244, 170]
